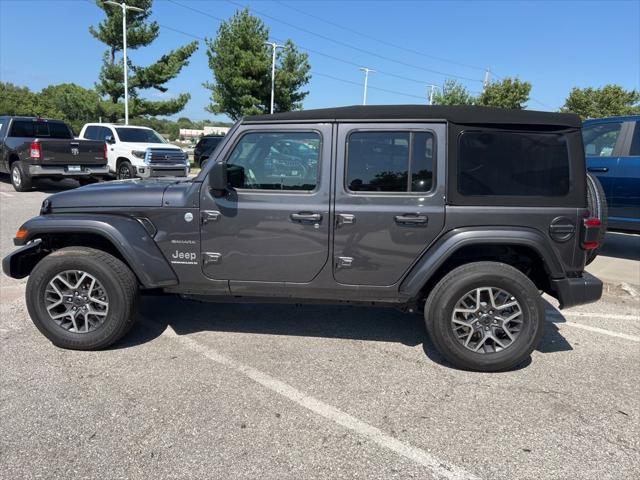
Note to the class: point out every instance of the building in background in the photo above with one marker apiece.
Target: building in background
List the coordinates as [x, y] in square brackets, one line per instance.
[189, 133]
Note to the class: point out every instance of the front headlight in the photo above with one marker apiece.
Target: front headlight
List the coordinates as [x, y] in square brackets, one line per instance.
[138, 153]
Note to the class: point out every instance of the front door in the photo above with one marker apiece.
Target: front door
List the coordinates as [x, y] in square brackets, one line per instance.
[273, 225]
[389, 200]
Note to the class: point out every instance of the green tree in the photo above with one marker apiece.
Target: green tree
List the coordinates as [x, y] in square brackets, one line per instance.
[608, 101]
[77, 105]
[509, 93]
[140, 33]
[241, 66]
[16, 100]
[453, 93]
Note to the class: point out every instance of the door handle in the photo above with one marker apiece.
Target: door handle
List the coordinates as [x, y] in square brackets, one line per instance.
[598, 169]
[306, 217]
[411, 219]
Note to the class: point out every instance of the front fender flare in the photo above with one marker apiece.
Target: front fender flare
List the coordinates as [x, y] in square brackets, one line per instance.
[455, 239]
[126, 234]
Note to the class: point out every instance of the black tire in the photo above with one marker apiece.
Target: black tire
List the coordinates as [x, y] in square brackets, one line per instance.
[442, 300]
[20, 178]
[597, 205]
[125, 170]
[118, 280]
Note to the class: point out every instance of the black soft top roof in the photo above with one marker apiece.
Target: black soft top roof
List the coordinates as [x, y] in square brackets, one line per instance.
[455, 114]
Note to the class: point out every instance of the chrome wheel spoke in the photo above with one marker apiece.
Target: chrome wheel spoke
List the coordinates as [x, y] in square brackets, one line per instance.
[76, 301]
[487, 320]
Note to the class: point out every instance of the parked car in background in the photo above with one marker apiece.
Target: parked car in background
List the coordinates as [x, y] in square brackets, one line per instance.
[612, 148]
[138, 151]
[33, 147]
[204, 148]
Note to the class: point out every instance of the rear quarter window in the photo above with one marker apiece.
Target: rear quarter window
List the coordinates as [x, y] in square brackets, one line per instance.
[513, 164]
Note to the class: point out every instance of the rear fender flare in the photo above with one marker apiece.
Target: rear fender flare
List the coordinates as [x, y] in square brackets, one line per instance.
[456, 239]
[126, 234]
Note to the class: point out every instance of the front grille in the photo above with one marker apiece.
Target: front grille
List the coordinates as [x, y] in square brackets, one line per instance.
[159, 156]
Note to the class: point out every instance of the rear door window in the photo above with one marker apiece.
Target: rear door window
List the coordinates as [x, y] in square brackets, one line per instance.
[600, 139]
[516, 164]
[91, 133]
[390, 162]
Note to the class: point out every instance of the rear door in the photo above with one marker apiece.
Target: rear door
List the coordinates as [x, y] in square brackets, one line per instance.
[602, 143]
[389, 199]
[274, 224]
[626, 199]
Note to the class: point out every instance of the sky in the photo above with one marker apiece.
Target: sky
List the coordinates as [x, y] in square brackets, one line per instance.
[555, 45]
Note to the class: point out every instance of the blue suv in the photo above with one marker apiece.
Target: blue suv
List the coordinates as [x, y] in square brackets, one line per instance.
[612, 148]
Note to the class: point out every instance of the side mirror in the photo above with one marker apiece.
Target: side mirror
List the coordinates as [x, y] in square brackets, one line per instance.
[109, 139]
[218, 178]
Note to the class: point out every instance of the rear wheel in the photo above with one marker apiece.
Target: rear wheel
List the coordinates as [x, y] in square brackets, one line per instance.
[485, 316]
[81, 298]
[20, 178]
[125, 170]
[597, 205]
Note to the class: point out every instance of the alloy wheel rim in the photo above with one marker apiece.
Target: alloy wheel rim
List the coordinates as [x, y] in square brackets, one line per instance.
[124, 173]
[17, 180]
[76, 301]
[487, 320]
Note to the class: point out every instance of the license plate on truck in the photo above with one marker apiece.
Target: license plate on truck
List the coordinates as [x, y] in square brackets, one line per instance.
[74, 168]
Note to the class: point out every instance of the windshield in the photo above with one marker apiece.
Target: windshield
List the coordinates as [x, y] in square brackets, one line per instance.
[139, 135]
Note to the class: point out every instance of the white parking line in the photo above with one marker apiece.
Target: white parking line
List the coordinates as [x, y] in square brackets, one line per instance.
[437, 467]
[610, 316]
[633, 338]
[5, 194]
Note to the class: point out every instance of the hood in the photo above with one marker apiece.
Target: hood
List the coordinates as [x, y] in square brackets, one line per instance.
[144, 146]
[119, 193]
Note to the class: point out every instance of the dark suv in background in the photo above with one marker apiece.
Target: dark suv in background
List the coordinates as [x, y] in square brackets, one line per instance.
[464, 213]
[204, 148]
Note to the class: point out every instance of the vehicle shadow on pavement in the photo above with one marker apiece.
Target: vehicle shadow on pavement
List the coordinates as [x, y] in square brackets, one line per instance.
[323, 321]
[46, 185]
[621, 245]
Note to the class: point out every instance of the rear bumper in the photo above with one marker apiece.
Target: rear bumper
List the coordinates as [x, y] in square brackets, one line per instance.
[147, 171]
[577, 291]
[62, 171]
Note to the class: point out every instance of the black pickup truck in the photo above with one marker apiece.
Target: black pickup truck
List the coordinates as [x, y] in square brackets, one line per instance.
[35, 147]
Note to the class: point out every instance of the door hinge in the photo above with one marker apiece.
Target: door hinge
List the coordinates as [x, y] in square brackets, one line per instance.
[209, 216]
[344, 262]
[210, 257]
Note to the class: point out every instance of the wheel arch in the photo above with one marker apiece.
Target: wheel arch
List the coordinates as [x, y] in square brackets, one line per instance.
[525, 249]
[123, 237]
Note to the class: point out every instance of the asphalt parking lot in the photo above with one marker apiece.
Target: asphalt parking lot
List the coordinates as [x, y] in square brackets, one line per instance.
[276, 391]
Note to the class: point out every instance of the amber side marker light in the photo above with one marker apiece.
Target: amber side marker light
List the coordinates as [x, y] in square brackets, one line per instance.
[21, 234]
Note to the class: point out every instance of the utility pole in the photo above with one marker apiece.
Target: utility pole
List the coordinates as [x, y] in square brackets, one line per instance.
[125, 7]
[366, 71]
[274, 47]
[487, 78]
[432, 88]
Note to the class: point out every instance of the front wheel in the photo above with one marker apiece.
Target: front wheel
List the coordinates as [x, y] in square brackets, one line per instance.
[81, 298]
[485, 316]
[125, 170]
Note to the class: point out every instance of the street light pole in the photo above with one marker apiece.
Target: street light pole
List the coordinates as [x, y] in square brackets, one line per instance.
[366, 71]
[125, 7]
[431, 92]
[274, 46]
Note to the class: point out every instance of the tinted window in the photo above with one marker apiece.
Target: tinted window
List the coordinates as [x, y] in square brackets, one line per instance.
[635, 141]
[103, 133]
[91, 133]
[275, 161]
[379, 161]
[513, 164]
[138, 135]
[600, 139]
[41, 129]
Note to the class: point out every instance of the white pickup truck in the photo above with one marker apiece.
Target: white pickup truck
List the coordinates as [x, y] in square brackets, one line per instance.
[138, 151]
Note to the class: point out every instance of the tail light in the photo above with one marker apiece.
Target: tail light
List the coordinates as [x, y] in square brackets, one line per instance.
[35, 150]
[591, 233]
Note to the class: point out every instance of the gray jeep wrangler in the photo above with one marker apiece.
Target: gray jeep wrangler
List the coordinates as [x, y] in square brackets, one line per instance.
[465, 213]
